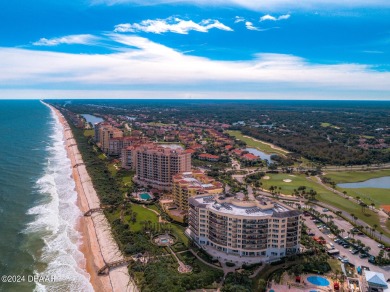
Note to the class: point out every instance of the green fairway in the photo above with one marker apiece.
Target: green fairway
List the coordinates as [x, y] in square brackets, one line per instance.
[368, 195]
[323, 195]
[356, 176]
[250, 142]
[287, 188]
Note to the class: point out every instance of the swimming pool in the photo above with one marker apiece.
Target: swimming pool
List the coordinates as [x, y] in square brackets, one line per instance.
[145, 196]
[319, 281]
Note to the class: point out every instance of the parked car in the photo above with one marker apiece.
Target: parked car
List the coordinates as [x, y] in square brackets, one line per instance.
[355, 251]
[363, 256]
[381, 246]
[371, 259]
[345, 260]
[325, 210]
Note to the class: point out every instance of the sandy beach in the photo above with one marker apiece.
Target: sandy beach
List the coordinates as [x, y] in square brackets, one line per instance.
[99, 246]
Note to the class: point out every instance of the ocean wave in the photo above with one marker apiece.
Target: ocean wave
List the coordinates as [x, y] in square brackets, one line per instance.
[55, 221]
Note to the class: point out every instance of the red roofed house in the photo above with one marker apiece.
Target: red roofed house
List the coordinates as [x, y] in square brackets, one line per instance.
[208, 157]
[250, 156]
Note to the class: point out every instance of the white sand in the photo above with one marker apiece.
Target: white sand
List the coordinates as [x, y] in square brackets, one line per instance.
[99, 245]
[287, 180]
[266, 177]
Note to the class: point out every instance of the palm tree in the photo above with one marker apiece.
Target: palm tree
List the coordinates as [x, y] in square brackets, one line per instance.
[374, 227]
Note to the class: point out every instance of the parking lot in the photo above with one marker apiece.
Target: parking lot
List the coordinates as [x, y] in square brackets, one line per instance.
[345, 252]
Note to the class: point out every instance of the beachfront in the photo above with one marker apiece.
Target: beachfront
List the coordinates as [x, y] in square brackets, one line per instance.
[99, 246]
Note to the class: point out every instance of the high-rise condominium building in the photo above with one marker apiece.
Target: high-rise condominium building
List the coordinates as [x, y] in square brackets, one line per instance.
[155, 165]
[257, 228]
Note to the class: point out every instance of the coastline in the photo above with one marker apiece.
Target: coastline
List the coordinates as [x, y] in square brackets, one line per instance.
[98, 244]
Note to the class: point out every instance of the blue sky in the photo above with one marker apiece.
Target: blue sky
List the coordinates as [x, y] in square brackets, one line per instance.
[275, 49]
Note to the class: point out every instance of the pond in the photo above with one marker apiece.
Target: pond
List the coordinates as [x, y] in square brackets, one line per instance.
[92, 119]
[377, 183]
[261, 154]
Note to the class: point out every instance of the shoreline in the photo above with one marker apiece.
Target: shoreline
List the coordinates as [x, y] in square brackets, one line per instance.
[98, 244]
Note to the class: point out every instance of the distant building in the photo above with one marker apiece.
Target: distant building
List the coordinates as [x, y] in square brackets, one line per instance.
[155, 165]
[235, 226]
[106, 133]
[190, 184]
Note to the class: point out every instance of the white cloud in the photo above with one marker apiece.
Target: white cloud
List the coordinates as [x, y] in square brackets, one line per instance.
[262, 5]
[239, 19]
[249, 25]
[171, 24]
[273, 18]
[144, 64]
[80, 39]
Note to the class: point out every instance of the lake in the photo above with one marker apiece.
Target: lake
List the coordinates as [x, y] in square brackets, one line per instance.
[261, 154]
[377, 183]
[92, 119]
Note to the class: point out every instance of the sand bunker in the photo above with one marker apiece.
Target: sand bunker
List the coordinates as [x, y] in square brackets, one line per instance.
[266, 177]
[287, 180]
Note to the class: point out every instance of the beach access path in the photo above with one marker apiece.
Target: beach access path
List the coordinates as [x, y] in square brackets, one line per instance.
[99, 246]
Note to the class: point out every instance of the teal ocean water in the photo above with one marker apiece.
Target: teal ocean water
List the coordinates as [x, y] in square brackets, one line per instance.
[38, 212]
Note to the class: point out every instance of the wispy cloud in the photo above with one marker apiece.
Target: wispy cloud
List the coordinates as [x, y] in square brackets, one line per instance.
[273, 18]
[249, 25]
[144, 63]
[239, 19]
[171, 24]
[261, 5]
[80, 39]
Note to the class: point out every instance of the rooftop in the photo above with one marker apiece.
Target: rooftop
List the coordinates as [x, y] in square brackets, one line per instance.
[232, 204]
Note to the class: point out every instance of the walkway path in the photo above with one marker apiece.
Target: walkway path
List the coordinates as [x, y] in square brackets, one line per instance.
[160, 220]
[203, 261]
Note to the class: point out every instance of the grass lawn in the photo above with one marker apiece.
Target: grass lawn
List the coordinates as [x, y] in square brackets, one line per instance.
[142, 215]
[178, 230]
[335, 265]
[112, 169]
[88, 133]
[326, 125]
[127, 179]
[102, 156]
[256, 144]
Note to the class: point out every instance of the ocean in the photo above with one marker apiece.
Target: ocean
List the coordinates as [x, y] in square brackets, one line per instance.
[38, 211]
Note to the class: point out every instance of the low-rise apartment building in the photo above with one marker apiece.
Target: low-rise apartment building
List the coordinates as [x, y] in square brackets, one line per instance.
[190, 184]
